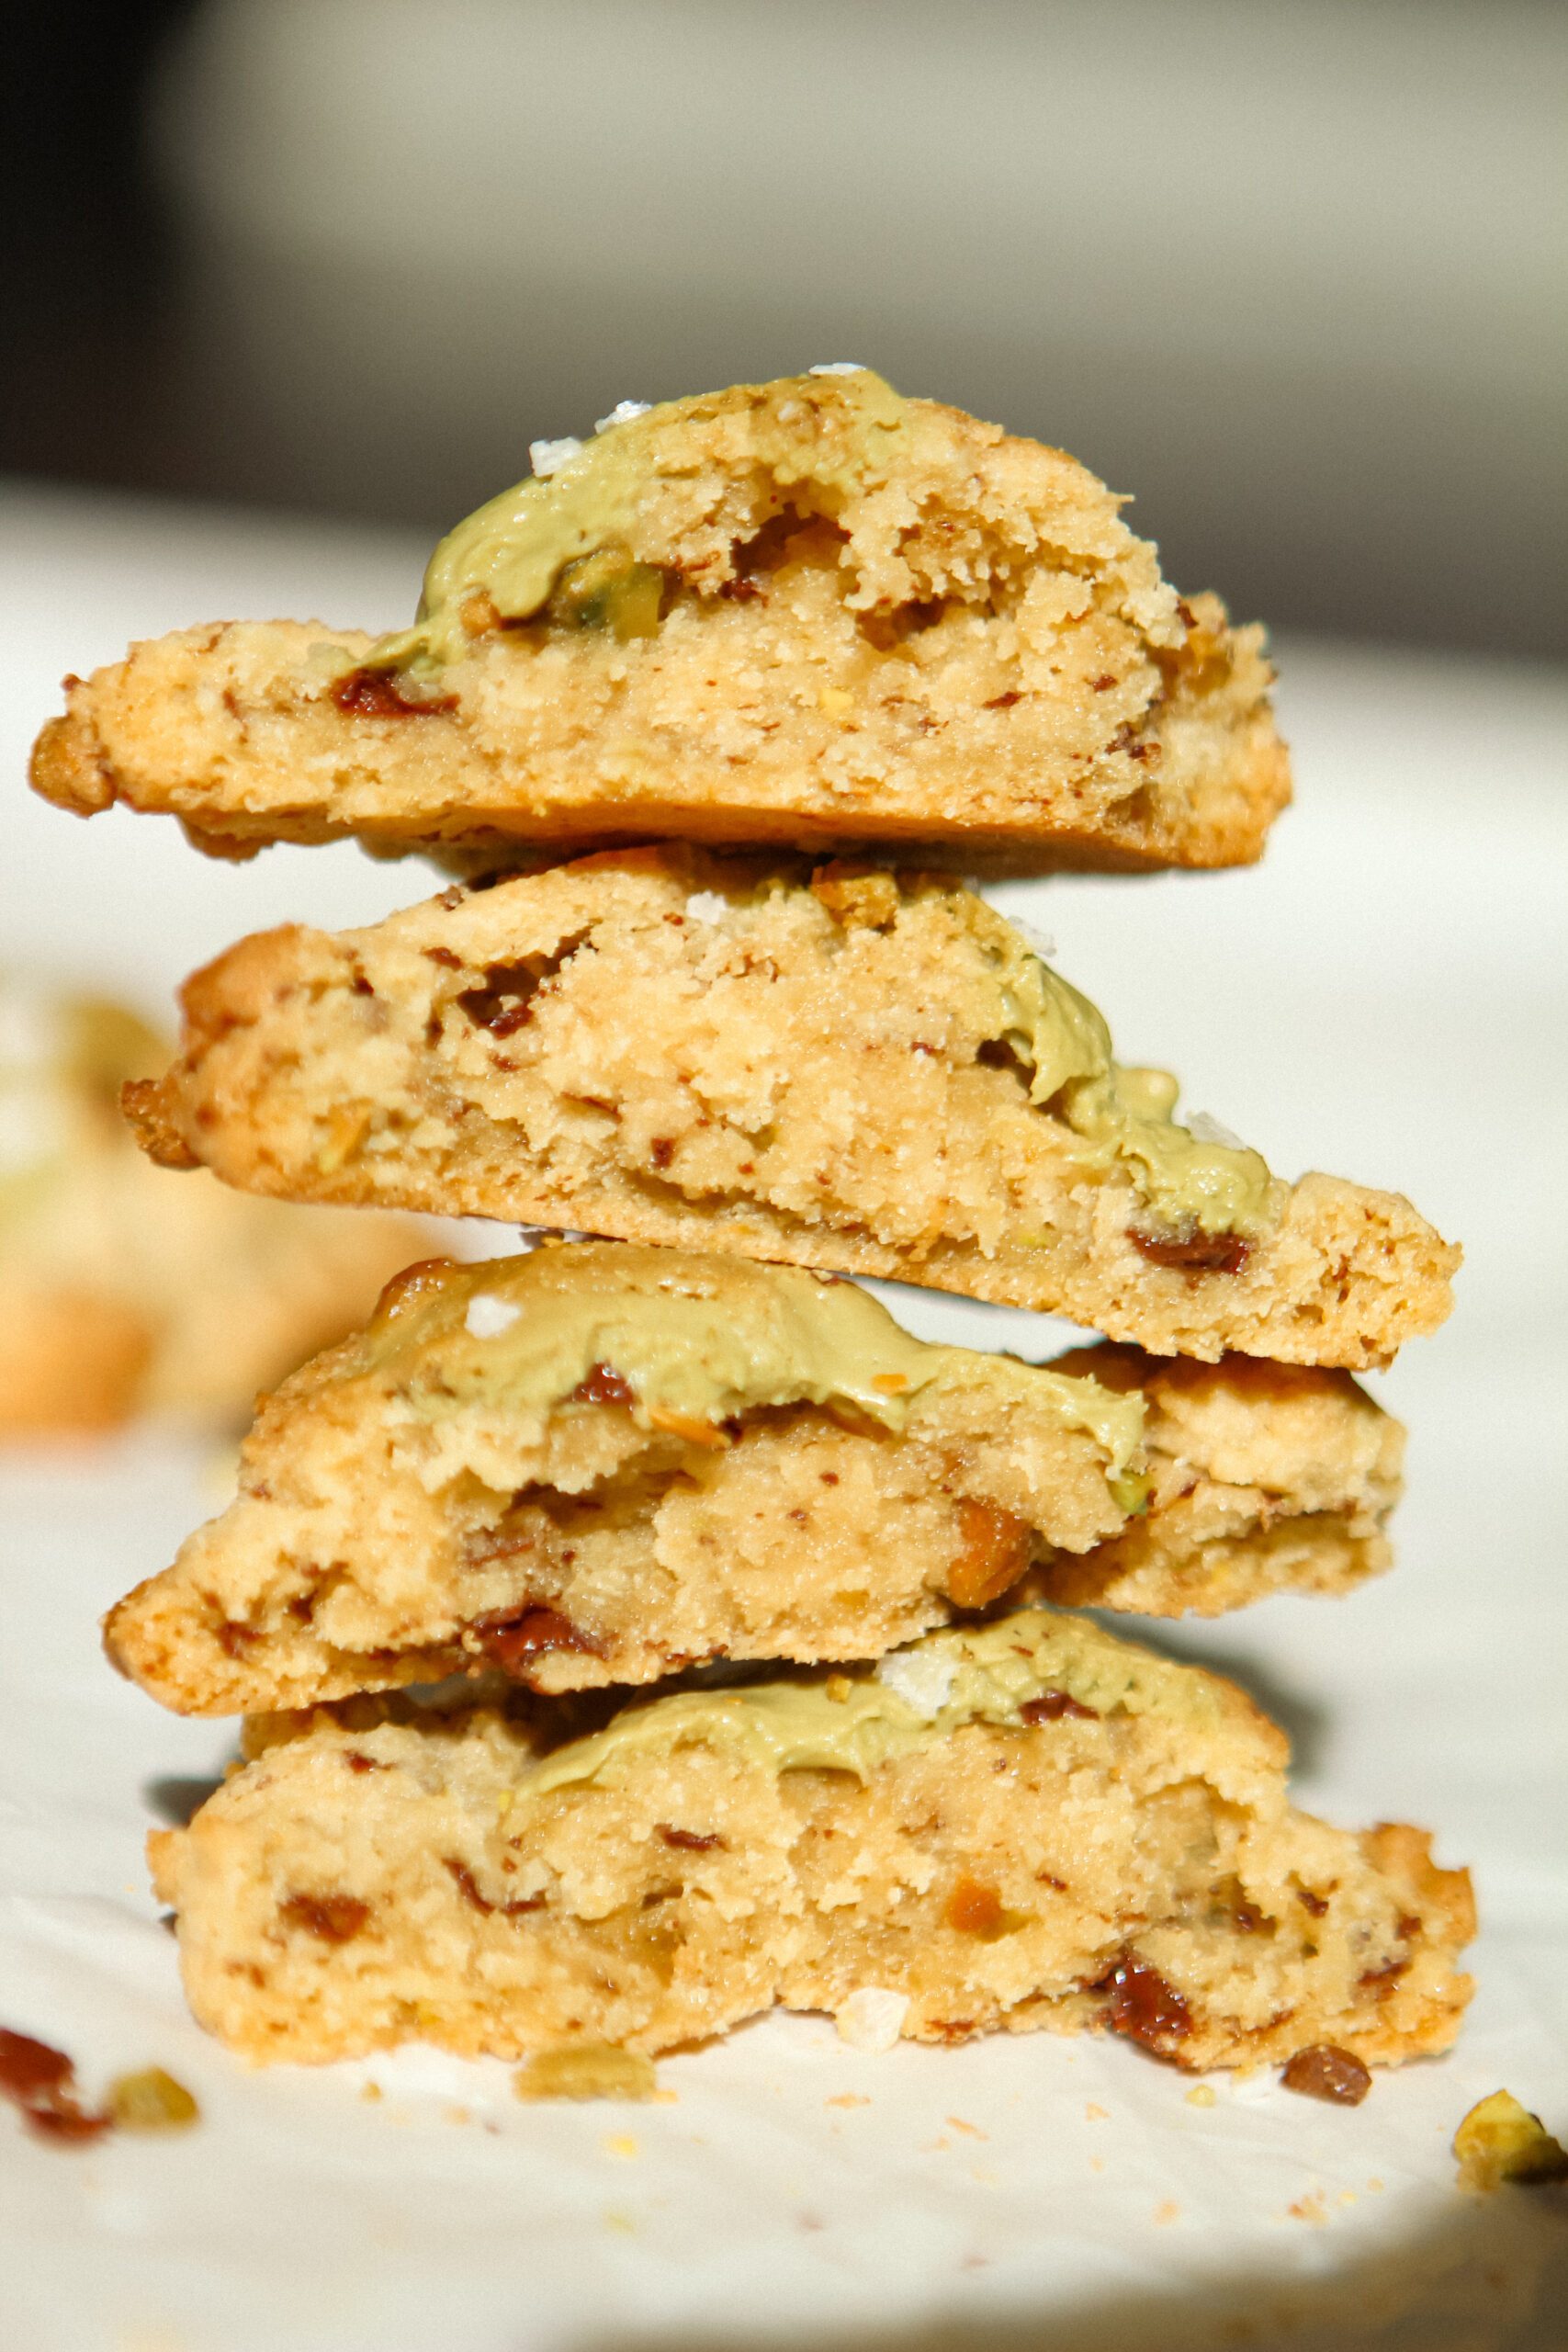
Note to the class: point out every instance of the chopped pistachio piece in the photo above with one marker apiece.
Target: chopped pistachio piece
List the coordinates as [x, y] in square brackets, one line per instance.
[152, 2101]
[586, 2070]
[1499, 2140]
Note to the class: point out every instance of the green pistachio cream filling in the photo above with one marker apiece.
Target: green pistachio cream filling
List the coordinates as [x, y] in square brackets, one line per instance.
[914, 1699]
[1123, 1117]
[700, 1340]
[567, 534]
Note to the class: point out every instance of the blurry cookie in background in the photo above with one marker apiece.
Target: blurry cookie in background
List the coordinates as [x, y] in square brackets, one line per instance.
[125, 1289]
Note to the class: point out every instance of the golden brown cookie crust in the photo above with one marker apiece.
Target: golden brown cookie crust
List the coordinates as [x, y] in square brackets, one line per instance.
[959, 644]
[372, 1878]
[662, 1047]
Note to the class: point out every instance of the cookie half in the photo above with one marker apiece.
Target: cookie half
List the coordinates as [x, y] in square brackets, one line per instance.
[602, 1465]
[807, 613]
[861, 1072]
[1028, 1826]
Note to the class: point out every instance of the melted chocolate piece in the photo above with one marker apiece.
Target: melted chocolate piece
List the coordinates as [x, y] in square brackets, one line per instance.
[1194, 1253]
[603, 1386]
[1053, 1705]
[1145, 2007]
[512, 1641]
[335, 1918]
[691, 1841]
[376, 694]
[42, 2082]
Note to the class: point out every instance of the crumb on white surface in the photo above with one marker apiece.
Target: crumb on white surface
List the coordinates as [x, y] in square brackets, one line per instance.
[872, 2017]
[489, 1316]
[549, 457]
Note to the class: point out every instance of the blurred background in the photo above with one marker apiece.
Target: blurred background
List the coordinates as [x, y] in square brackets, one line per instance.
[1295, 273]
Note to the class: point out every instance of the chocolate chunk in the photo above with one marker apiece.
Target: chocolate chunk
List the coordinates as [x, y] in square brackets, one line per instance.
[376, 693]
[42, 2082]
[1327, 2072]
[691, 1841]
[1194, 1253]
[603, 1384]
[512, 1641]
[1053, 1705]
[335, 1918]
[1144, 2006]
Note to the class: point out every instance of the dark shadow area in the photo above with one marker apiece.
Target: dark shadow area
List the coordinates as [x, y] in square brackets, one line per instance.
[1491, 2275]
[175, 1799]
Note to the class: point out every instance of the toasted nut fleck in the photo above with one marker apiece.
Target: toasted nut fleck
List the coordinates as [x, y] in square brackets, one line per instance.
[1499, 2140]
[152, 2101]
[586, 2070]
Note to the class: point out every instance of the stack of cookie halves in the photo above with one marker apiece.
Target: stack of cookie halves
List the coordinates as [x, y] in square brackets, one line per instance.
[644, 1630]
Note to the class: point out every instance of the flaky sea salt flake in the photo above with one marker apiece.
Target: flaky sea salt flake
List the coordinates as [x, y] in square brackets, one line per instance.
[707, 906]
[489, 1316]
[1203, 1129]
[923, 1678]
[872, 2017]
[549, 457]
[1040, 942]
[623, 413]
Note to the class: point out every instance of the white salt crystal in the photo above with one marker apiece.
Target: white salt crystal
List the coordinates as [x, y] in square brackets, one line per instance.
[623, 413]
[549, 456]
[707, 906]
[1203, 1129]
[488, 1316]
[871, 2018]
[1041, 941]
[923, 1678]
[838, 367]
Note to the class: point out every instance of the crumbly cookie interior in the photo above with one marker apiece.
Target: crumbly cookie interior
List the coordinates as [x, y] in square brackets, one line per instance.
[807, 613]
[712, 1055]
[593, 1498]
[1076, 1836]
